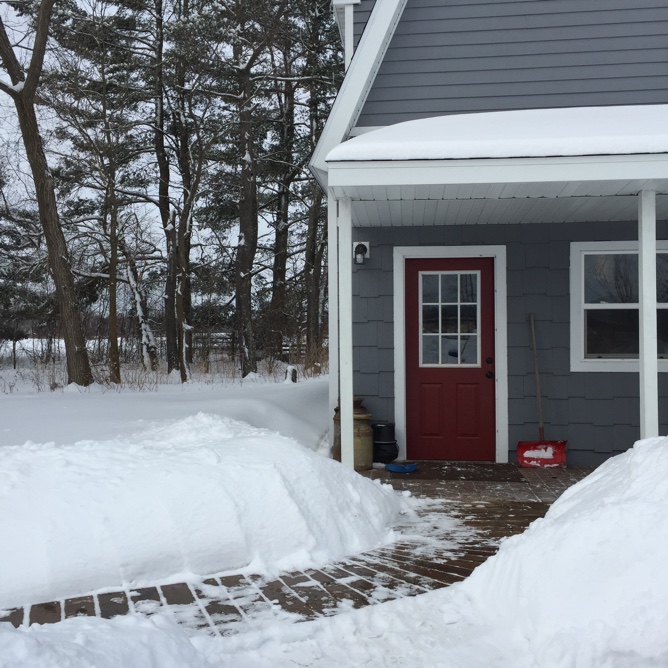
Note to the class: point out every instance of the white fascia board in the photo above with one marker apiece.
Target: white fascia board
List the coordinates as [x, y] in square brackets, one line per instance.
[650, 167]
[358, 80]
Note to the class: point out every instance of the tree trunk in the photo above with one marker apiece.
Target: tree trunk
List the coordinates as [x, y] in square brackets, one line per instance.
[313, 275]
[166, 216]
[149, 349]
[183, 301]
[78, 365]
[248, 232]
[114, 353]
[277, 308]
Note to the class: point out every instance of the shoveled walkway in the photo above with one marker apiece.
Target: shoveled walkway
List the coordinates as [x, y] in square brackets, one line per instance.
[466, 510]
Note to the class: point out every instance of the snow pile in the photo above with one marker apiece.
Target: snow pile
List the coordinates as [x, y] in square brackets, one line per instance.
[588, 584]
[132, 642]
[585, 586]
[516, 134]
[199, 495]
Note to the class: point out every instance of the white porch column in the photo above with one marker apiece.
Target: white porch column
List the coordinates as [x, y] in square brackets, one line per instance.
[649, 391]
[346, 331]
[333, 306]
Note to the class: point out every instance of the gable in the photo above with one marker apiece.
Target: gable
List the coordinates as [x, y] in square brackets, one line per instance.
[462, 56]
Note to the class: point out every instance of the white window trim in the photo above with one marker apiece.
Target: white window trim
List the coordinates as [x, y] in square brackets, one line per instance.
[578, 361]
[401, 254]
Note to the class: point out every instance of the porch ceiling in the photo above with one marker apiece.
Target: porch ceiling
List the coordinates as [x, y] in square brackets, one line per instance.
[520, 190]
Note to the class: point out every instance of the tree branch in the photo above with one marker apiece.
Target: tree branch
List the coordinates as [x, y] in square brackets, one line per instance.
[39, 49]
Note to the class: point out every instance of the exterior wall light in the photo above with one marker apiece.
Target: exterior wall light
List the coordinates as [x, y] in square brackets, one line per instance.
[361, 251]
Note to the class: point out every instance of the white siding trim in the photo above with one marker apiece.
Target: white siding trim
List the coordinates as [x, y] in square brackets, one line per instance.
[498, 253]
[357, 83]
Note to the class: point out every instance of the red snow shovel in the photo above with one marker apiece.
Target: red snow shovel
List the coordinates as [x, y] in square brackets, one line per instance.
[540, 453]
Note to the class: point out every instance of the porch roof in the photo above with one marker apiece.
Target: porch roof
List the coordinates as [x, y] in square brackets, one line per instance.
[549, 165]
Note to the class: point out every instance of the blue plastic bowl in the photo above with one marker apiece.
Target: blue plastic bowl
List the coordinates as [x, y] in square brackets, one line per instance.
[401, 468]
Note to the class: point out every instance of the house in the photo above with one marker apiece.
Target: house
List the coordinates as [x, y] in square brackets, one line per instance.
[496, 159]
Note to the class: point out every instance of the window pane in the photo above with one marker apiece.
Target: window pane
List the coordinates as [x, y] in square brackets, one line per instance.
[449, 319]
[449, 288]
[662, 278]
[449, 352]
[429, 289]
[430, 349]
[468, 353]
[469, 319]
[611, 333]
[430, 319]
[468, 292]
[611, 278]
[662, 331]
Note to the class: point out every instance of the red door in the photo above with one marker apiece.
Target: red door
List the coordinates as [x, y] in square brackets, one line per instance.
[450, 408]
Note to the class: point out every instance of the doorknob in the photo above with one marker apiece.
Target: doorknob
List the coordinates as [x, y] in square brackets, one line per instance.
[489, 374]
[489, 360]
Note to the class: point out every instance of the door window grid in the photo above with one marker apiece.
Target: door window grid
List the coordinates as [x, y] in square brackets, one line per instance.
[449, 317]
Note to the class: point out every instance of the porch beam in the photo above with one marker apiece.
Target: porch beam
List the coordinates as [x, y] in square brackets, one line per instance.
[650, 168]
[649, 393]
[346, 331]
[333, 307]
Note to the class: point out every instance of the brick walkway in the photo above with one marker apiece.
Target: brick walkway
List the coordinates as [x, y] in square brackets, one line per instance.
[455, 532]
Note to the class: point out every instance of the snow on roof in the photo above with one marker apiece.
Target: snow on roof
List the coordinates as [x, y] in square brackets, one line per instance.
[516, 134]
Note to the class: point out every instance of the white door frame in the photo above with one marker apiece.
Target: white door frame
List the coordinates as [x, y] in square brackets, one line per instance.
[498, 253]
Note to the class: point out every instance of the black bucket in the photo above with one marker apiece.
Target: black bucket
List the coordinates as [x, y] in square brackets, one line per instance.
[385, 449]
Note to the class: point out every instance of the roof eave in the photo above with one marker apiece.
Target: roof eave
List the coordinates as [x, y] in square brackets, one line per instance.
[647, 168]
[356, 85]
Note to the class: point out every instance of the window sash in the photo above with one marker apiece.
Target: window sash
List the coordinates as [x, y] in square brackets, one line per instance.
[583, 357]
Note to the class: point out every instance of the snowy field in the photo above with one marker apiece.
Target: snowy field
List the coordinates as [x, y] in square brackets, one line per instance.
[99, 488]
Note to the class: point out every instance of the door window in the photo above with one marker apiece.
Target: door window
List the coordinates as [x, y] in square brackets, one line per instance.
[449, 317]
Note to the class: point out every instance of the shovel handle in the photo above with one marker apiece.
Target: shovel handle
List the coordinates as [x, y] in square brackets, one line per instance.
[539, 403]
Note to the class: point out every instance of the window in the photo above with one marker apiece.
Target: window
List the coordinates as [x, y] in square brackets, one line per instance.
[449, 318]
[605, 309]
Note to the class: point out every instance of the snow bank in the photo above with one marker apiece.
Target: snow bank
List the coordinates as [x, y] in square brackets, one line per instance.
[588, 584]
[516, 134]
[585, 586]
[132, 642]
[199, 495]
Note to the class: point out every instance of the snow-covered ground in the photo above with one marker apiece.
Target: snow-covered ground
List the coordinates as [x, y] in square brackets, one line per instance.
[586, 587]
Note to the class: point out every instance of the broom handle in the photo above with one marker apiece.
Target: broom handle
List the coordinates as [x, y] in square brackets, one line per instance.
[541, 429]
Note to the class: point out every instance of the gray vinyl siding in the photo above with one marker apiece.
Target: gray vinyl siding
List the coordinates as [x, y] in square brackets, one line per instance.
[597, 413]
[462, 56]
[361, 15]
